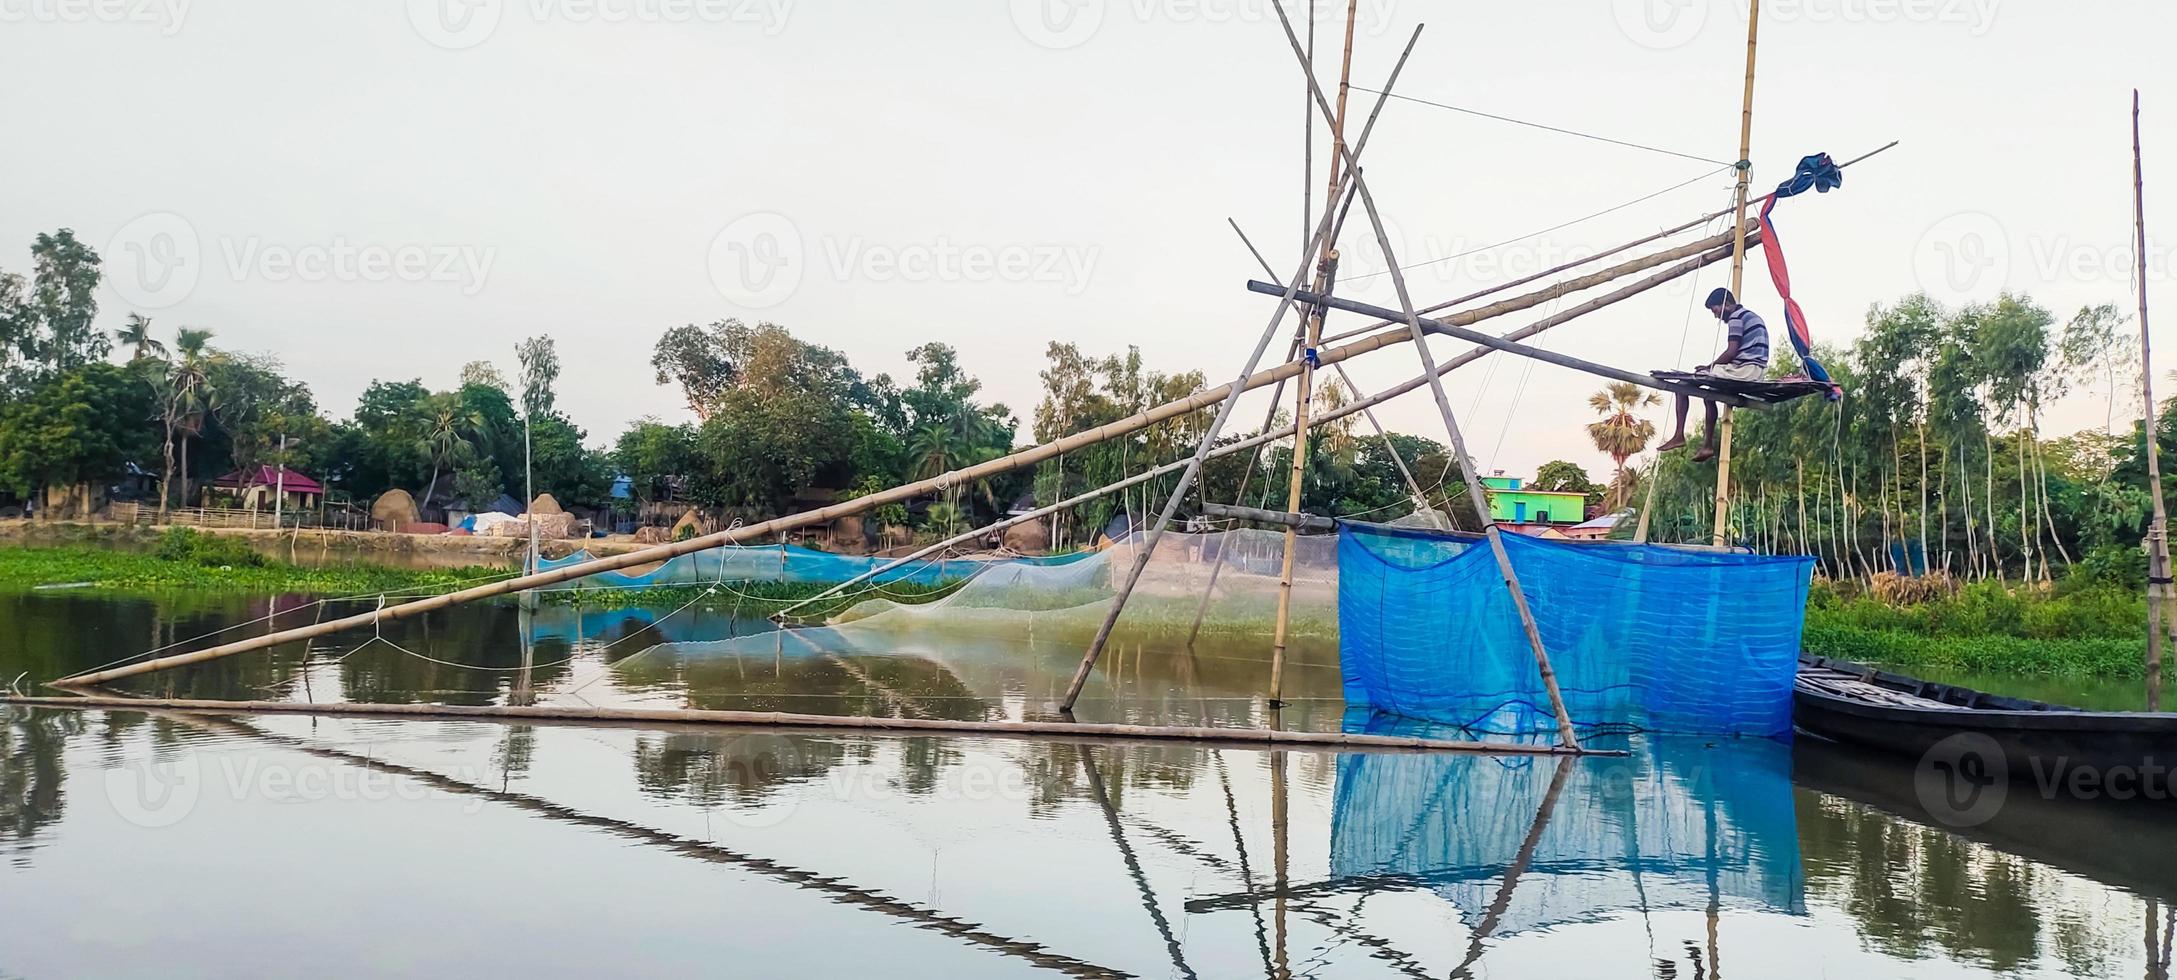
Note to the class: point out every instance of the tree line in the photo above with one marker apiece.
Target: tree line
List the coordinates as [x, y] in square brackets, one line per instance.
[1934, 459]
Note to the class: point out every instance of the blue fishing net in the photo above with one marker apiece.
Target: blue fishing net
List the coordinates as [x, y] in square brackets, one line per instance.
[1679, 823]
[1645, 637]
[788, 563]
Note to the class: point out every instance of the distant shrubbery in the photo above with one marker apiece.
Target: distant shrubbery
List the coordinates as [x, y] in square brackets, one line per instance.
[185, 544]
[2094, 622]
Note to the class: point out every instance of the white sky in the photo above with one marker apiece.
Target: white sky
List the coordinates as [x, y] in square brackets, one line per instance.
[566, 167]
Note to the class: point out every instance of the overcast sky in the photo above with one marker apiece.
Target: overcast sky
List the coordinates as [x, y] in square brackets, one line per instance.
[390, 188]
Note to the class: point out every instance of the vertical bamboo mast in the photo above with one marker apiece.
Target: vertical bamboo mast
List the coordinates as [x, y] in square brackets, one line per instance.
[2158, 570]
[1738, 265]
[1304, 399]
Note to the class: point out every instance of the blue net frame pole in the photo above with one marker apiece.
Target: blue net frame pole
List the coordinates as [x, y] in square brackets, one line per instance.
[1149, 541]
[1566, 736]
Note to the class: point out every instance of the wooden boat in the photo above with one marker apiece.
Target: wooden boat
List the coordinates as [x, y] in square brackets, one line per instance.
[1857, 705]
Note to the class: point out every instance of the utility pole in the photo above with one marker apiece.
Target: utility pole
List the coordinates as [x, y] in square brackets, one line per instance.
[1738, 268]
[2158, 570]
[279, 484]
[529, 501]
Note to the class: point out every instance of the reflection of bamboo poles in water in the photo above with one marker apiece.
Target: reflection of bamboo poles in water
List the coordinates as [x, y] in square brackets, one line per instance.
[1520, 861]
[1133, 865]
[1247, 874]
[2158, 948]
[831, 887]
[1278, 830]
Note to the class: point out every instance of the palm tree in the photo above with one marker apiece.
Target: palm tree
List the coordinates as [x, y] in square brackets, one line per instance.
[1620, 434]
[185, 401]
[136, 334]
[449, 429]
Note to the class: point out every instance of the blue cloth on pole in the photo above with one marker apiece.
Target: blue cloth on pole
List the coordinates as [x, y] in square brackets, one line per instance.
[1647, 637]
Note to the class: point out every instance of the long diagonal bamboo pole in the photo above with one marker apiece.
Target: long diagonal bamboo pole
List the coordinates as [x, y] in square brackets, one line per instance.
[1693, 253]
[1565, 733]
[1333, 358]
[1323, 233]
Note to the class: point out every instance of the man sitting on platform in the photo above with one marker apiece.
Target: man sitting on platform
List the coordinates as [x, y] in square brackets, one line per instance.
[1745, 358]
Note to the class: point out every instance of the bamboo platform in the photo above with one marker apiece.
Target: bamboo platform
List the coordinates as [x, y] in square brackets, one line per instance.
[1774, 391]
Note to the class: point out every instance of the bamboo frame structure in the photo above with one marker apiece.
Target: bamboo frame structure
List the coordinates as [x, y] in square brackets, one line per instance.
[1334, 357]
[1694, 255]
[1514, 347]
[1567, 737]
[1738, 269]
[1257, 737]
[1324, 232]
[2158, 565]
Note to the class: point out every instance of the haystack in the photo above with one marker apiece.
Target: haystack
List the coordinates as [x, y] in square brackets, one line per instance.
[544, 504]
[1031, 538]
[690, 525]
[395, 508]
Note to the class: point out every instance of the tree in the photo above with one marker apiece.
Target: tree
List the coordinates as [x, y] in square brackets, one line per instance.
[696, 359]
[135, 334]
[652, 454]
[482, 373]
[1560, 476]
[448, 431]
[1620, 434]
[64, 294]
[540, 370]
[80, 426]
[185, 400]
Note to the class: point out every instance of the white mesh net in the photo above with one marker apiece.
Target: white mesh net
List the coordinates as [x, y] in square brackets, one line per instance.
[1062, 600]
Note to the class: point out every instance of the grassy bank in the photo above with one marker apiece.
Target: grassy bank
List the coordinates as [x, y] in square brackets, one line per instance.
[2096, 630]
[185, 559]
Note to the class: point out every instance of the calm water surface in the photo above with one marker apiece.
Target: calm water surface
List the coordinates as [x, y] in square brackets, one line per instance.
[161, 844]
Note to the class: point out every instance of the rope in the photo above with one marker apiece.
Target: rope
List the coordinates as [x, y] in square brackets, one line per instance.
[1548, 128]
[1557, 227]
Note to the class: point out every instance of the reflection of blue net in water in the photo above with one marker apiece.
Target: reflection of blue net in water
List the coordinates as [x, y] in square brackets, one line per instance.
[788, 563]
[1069, 600]
[1677, 825]
[1658, 638]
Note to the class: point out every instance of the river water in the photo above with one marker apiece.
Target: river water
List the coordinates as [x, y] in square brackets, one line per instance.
[139, 844]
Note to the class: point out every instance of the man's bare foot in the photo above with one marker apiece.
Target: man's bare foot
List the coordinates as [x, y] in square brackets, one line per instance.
[1671, 443]
[1704, 454]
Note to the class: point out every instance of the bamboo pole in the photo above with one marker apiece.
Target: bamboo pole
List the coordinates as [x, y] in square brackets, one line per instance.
[832, 888]
[2158, 565]
[1583, 260]
[1323, 232]
[1326, 274]
[1514, 347]
[1738, 266]
[1566, 735]
[901, 494]
[781, 719]
[1365, 405]
[1397, 458]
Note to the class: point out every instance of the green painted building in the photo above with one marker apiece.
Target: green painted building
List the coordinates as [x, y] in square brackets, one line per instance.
[1509, 503]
